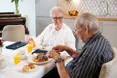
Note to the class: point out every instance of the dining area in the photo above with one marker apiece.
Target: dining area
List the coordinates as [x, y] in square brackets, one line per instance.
[58, 39]
[22, 54]
[11, 64]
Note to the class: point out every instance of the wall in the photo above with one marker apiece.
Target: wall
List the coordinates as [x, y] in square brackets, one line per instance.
[26, 8]
[108, 29]
[42, 14]
[43, 7]
[43, 18]
[97, 7]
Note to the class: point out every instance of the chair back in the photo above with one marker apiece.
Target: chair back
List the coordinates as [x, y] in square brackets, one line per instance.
[109, 69]
[13, 33]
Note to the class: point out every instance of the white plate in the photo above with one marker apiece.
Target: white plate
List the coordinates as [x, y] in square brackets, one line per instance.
[30, 60]
[30, 70]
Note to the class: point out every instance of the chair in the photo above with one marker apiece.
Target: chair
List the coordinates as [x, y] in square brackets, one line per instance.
[109, 69]
[13, 33]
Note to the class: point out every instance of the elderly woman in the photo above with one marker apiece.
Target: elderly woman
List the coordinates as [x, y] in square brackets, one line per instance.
[57, 33]
[96, 51]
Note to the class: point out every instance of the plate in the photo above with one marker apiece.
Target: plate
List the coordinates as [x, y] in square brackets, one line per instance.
[30, 70]
[30, 60]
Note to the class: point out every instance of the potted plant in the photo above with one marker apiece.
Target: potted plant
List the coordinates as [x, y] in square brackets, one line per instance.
[16, 5]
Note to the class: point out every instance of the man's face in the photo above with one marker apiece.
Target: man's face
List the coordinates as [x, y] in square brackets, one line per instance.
[81, 32]
[57, 18]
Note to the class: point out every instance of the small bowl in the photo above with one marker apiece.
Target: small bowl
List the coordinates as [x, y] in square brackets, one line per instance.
[73, 12]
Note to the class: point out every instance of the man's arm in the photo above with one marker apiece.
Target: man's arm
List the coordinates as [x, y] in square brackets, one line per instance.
[60, 48]
[63, 73]
[59, 63]
[70, 51]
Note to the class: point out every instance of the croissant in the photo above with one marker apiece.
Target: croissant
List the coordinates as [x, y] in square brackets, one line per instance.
[25, 68]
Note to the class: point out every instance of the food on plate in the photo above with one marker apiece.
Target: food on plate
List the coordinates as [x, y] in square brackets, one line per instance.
[40, 57]
[25, 68]
[28, 67]
[31, 66]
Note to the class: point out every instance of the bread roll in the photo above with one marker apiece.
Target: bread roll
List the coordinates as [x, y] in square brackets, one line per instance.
[25, 68]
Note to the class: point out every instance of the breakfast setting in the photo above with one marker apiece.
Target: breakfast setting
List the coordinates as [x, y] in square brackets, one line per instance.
[22, 58]
[58, 39]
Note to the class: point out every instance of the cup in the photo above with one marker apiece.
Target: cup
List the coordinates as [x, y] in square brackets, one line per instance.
[29, 47]
[16, 59]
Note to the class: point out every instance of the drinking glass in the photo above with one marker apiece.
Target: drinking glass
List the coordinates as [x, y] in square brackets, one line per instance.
[16, 59]
[29, 47]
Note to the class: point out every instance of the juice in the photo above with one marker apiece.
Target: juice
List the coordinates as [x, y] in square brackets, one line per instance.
[29, 47]
[16, 59]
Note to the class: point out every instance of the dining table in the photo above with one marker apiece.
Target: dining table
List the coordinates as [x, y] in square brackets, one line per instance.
[12, 70]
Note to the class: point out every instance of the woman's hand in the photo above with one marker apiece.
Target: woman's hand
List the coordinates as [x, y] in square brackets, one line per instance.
[31, 41]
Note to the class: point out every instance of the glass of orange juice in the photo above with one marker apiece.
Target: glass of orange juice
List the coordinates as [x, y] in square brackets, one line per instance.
[16, 59]
[29, 47]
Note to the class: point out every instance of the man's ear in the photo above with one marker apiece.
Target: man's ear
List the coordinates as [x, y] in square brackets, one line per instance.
[86, 28]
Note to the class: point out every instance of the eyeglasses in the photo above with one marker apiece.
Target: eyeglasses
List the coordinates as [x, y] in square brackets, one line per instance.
[55, 18]
[75, 29]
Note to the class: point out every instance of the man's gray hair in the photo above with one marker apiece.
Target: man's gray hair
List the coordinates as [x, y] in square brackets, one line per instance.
[90, 20]
[56, 8]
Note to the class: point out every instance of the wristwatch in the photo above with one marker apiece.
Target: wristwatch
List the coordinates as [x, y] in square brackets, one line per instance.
[59, 60]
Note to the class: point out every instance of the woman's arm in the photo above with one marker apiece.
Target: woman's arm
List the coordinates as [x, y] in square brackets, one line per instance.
[40, 37]
[70, 39]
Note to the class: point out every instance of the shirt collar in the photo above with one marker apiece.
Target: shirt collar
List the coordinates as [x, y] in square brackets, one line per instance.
[60, 29]
[90, 40]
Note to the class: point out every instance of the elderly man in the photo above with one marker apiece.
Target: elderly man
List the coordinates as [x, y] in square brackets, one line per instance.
[96, 51]
[57, 33]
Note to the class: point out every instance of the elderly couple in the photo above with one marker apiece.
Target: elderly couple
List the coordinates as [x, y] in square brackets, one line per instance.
[86, 64]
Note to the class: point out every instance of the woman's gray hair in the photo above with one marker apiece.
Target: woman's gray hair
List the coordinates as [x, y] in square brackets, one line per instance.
[90, 20]
[56, 8]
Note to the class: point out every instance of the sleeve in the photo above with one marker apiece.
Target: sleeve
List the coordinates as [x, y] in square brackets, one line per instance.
[70, 39]
[39, 38]
[85, 67]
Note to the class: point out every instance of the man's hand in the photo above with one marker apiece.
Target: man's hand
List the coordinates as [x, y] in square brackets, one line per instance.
[59, 48]
[53, 54]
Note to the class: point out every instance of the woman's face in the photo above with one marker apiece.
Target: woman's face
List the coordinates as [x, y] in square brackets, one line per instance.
[57, 18]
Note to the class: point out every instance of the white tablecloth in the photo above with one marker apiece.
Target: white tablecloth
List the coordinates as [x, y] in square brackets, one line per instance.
[13, 71]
